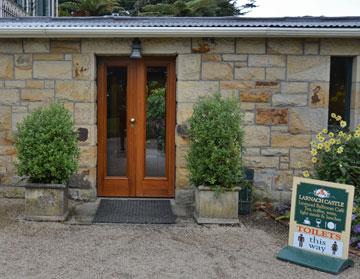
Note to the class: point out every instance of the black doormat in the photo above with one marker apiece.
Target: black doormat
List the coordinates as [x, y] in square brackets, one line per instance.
[134, 212]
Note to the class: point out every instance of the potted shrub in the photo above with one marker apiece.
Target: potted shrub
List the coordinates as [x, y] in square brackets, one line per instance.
[214, 159]
[47, 155]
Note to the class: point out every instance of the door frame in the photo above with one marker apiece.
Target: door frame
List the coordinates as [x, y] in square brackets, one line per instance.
[136, 184]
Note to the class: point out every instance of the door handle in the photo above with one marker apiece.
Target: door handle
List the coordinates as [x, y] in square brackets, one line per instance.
[132, 120]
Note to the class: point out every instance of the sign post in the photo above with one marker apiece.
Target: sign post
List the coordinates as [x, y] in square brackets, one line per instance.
[320, 225]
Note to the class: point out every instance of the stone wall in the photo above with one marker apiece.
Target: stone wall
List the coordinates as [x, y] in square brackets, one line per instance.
[282, 84]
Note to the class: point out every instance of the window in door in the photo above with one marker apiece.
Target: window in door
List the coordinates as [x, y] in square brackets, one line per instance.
[340, 89]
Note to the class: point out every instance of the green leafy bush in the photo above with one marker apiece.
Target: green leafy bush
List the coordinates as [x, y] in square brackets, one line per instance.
[336, 155]
[216, 139]
[46, 145]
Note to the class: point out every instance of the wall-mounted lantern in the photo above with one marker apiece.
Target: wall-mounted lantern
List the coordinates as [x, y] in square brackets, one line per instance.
[136, 49]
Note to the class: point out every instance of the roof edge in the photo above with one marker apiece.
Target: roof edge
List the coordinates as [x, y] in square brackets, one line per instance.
[108, 32]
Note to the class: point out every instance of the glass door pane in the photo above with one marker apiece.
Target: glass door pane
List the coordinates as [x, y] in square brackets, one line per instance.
[155, 157]
[116, 121]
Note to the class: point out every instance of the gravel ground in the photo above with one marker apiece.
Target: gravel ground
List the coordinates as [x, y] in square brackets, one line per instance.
[184, 250]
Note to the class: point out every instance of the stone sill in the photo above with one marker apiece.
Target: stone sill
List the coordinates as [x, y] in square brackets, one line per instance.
[207, 188]
[44, 186]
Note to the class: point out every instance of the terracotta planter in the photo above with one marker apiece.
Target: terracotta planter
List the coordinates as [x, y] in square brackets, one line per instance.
[211, 208]
[46, 202]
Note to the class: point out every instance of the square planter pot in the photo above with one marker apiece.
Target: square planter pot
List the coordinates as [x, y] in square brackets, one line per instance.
[211, 208]
[46, 202]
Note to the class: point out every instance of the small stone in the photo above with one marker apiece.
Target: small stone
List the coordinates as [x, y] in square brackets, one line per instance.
[314, 68]
[65, 46]
[268, 84]
[88, 156]
[285, 46]
[85, 113]
[307, 120]
[311, 48]
[15, 83]
[249, 73]
[211, 57]
[235, 57]
[217, 71]
[319, 95]
[188, 67]
[271, 151]
[5, 118]
[182, 178]
[23, 61]
[52, 69]
[37, 95]
[289, 140]
[35, 84]
[190, 91]
[253, 97]
[74, 90]
[9, 96]
[215, 45]
[261, 162]
[10, 45]
[6, 66]
[292, 100]
[275, 74]
[81, 66]
[300, 158]
[22, 73]
[341, 46]
[236, 84]
[283, 180]
[48, 57]
[267, 60]
[294, 87]
[256, 136]
[251, 46]
[272, 116]
[36, 45]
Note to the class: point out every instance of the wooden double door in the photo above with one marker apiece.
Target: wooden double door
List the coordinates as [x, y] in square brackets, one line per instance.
[136, 126]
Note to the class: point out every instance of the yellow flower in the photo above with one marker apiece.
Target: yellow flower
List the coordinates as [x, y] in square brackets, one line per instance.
[325, 131]
[341, 134]
[314, 152]
[333, 115]
[321, 139]
[332, 141]
[331, 134]
[306, 174]
[357, 135]
[327, 145]
[338, 141]
[314, 160]
[343, 124]
[320, 146]
[319, 135]
[327, 149]
[338, 118]
[340, 150]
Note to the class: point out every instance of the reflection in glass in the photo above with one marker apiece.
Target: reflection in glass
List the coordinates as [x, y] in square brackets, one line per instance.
[155, 121]
[116, 121]
[340, 89]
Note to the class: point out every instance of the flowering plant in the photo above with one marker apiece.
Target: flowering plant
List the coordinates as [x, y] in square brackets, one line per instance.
[336, 158]
[355, 232]
[336, 155]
